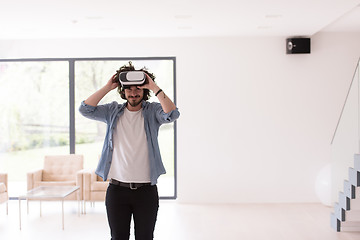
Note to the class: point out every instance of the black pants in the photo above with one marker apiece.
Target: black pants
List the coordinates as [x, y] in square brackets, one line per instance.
[142, 204]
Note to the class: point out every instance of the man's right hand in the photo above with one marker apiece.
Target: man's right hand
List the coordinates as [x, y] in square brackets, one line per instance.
[95, 98]
[111, 84]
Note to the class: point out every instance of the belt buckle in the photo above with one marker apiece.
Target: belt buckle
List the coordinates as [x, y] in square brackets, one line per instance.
[131, 186]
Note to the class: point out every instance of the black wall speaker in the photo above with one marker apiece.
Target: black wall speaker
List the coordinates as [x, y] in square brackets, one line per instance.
[297, 45]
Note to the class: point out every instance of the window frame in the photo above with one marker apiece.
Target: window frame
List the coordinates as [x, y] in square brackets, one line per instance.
[71, 62]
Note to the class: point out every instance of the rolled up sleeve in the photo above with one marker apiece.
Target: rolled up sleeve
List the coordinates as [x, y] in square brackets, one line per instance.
[171, 116]
[98, 113]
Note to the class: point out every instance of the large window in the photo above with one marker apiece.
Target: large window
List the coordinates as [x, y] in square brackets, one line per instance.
[39, 102]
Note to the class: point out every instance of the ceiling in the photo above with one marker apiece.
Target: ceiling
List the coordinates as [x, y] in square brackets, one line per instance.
[24, 19]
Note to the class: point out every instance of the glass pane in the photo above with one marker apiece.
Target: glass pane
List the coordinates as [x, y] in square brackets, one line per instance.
[50, 192]
[34, 122]
[91, 76]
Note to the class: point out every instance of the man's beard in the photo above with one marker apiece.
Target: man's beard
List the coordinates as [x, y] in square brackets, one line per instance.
[134, 101]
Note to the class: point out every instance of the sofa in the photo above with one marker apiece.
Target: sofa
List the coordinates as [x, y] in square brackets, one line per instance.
[4, 196]
[59, 170]
[94, 187]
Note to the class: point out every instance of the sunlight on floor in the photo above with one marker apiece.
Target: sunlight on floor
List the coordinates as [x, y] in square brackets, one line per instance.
[177, 222]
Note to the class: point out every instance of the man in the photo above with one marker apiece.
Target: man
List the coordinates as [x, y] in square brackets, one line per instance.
[131, 157]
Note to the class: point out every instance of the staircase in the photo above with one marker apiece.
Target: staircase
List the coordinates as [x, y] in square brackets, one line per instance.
[346, 215]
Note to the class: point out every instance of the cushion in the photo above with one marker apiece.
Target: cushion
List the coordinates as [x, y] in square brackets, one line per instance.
[98, 196]
[62, 167]
[99, 186]
[57, 183]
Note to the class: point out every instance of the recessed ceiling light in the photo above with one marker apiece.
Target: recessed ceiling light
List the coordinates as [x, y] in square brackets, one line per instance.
[106, 29]
[184, 28]
[273, 16]
[94, 17]
[183, 16]
[263, 27]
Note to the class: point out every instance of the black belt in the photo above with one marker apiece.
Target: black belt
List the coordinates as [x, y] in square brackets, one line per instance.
[132, 186]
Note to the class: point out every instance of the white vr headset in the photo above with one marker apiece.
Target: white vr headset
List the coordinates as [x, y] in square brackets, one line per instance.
[132, 78]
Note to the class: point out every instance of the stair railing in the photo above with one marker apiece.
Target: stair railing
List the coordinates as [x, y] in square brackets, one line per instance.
[345, 160]
[346, 138]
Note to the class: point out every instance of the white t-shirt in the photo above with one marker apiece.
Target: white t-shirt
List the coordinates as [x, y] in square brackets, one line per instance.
[130, 162]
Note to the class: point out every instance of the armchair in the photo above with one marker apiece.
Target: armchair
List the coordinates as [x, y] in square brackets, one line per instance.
[60, 170]
[94, 187]
[4, 190]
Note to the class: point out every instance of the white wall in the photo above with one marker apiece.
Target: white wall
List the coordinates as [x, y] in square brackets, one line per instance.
[256, 124]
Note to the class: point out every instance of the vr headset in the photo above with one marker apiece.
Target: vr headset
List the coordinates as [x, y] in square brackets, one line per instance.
[132, 78]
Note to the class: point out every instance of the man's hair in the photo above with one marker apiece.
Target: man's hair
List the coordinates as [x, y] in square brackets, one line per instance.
[130, 67]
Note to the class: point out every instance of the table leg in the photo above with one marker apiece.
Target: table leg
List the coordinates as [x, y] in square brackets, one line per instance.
[78, 208]
[62, 214]
[20, 213]
[79, 202]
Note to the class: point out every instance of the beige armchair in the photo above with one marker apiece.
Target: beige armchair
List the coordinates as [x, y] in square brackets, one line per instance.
[59, 170]
[94, 187]
[4, 196]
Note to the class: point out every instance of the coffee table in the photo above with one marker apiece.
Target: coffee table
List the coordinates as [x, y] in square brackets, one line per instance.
[49, 193]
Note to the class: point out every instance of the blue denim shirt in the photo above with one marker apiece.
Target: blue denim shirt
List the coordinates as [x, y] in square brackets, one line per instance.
[154, 117]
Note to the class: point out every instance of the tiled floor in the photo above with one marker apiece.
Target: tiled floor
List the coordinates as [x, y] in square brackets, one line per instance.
[178, 222]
